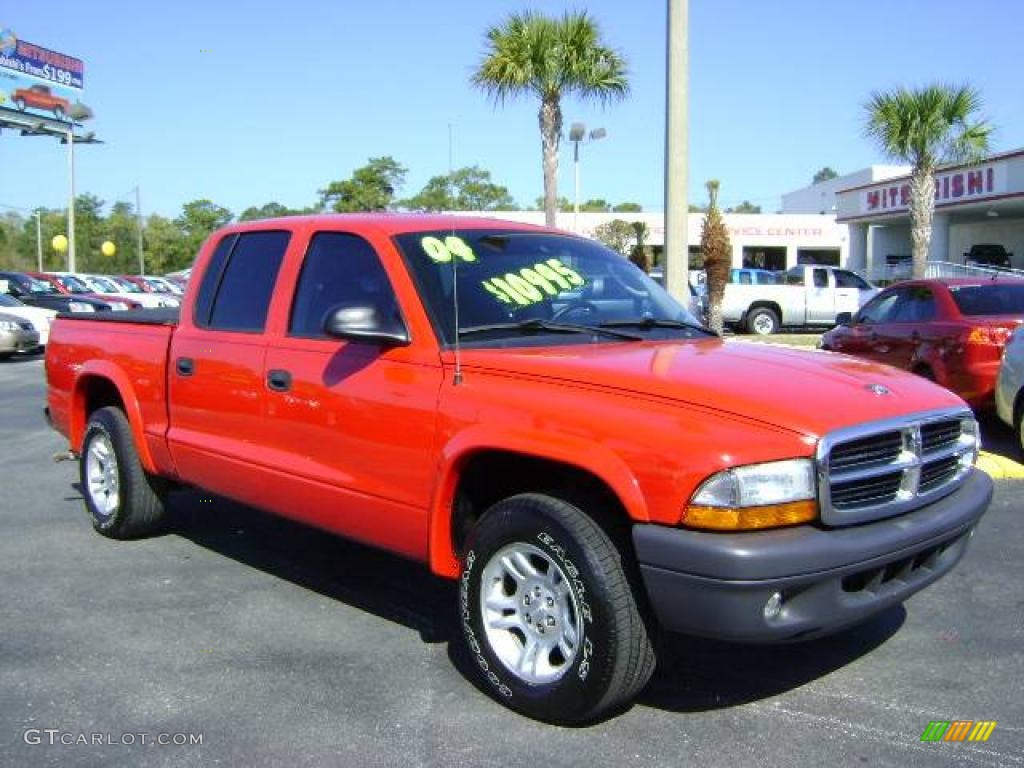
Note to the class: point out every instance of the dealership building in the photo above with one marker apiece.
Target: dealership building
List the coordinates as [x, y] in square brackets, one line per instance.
[974, 204]
[860, 220]
[761, 240]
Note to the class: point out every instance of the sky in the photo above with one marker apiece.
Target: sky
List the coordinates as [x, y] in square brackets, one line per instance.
[198, 100]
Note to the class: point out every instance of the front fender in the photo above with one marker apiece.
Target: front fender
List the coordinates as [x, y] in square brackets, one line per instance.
[587, 456]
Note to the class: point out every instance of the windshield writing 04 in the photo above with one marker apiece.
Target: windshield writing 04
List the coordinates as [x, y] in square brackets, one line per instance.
[516, 284]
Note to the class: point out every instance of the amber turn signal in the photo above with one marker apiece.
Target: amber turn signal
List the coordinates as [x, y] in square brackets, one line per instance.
[750, 518]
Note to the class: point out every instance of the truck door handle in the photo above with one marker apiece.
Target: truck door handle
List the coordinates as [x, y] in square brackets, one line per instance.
[185, 366]
[279, 381]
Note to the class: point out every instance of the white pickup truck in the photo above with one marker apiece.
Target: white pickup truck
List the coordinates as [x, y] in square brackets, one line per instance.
[807, 296]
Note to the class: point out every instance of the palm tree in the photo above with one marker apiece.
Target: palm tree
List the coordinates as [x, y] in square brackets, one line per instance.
[530, 53]
[717, 252]
[925, 128]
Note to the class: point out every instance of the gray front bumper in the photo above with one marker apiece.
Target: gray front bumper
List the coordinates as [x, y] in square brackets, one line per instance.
[717, 584]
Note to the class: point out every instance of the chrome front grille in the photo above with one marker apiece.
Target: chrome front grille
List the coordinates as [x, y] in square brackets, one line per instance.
[887, 468]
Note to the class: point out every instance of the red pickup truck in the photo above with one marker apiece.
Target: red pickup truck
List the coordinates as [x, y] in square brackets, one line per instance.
[524, 411]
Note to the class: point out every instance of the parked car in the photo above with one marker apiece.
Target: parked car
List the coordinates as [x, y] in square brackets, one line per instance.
[40, 97]
[149, 284]
[530, 416]
[42, 293]
[988, 255]
[1010, 385]
[129, 291]
[949, 330]
[70, 285]
[809, 296]
[16, 335]
[39, 318]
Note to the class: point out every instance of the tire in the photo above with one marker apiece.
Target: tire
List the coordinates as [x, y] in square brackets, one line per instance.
[762, 321]
[123, 501]
[1019, 429]
[5, 355]
[20, 104]
[58, 112]
[554, 581]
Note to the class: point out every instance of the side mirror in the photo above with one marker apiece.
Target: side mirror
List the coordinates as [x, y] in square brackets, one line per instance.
[844, 318]
[365, 323]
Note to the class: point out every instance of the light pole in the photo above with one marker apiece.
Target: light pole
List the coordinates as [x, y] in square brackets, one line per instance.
[71, 200]
[576, 135]
[39, 240]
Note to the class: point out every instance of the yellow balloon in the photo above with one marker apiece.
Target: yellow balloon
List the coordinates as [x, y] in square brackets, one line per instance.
[108, 248]
[59, 243]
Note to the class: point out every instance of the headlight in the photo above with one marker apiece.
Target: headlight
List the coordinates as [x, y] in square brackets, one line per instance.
[80, 306]
[7, 325]
[755, 496]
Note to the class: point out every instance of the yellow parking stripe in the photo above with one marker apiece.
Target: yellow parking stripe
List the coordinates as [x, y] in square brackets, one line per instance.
[1000, 467]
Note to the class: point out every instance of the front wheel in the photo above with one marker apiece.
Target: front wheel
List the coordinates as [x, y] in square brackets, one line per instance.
[123, 501]
[548, 613]
[762, 321]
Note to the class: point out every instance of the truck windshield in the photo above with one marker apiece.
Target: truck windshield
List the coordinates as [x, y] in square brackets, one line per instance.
[509, 280]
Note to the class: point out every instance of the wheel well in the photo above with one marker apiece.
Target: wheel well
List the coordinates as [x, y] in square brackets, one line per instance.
[490, 476]
[1018, 407]
[98, 393]
[765, 305]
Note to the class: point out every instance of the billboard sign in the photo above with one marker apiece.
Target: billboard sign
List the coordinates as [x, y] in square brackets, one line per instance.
[36, 80]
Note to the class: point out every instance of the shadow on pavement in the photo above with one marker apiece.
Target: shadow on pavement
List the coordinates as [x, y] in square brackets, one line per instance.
[693, 674]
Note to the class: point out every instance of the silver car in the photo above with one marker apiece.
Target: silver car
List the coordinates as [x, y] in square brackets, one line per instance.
[16, 335]
[1010, 385]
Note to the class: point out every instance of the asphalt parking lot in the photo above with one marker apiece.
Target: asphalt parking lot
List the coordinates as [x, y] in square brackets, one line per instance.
[281, 646]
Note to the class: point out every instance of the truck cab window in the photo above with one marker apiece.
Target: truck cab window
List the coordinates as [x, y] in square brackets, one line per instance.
[242, 287]
[339, 269]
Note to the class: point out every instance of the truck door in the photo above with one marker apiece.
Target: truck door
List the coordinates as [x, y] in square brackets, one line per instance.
[821, 305]
[215, 369]
[350, 426]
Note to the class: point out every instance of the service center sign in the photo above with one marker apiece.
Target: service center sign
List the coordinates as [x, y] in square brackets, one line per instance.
[37, 80]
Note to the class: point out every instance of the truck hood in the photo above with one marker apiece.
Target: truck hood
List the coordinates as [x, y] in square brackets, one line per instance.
[806, 391]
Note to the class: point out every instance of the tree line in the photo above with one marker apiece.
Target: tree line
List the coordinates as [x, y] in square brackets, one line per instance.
[170, 244]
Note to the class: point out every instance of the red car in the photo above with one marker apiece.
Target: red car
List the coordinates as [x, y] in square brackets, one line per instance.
[951, 331]
[40, 97]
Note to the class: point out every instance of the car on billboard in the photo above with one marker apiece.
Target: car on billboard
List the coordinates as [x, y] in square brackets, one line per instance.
[40, 97]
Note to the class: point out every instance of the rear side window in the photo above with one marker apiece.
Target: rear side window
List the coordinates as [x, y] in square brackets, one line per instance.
[820, 278]
[339, 269]
[846, 279]
[238, 293]
[991, 299]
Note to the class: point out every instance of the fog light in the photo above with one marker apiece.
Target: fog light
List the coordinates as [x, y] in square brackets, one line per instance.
[774, 606]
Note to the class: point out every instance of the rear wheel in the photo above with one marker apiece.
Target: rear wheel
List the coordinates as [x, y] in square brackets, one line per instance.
[762, 321]
[123, 501]
[548, 613]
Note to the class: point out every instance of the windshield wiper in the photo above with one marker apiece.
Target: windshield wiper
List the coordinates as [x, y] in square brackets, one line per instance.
[652, 322]
[535, 325]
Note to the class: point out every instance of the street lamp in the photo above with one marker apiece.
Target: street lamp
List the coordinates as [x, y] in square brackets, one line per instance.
[578, 135]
